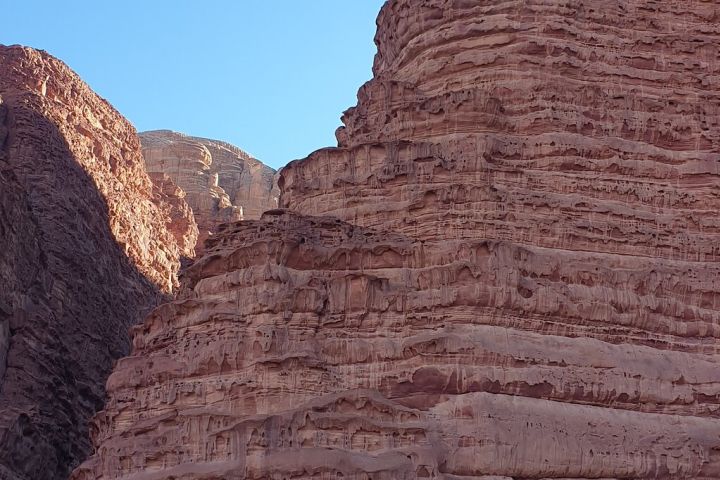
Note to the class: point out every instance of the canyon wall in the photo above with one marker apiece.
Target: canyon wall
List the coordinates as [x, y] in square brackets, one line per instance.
[222, 182]
[507, 269]
[87, 250]
[306, 347]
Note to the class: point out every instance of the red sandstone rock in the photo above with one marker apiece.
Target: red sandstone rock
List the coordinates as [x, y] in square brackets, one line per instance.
[85, 253]
[222, 182]
[306, 347]
[171, 199]
[522, 281]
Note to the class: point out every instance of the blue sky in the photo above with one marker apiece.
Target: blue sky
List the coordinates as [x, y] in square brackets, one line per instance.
[271, 76]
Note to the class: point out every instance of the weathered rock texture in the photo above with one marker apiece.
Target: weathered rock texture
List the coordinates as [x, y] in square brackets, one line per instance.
[532, 122]
[522, 282]
[85, 252]
[222, 182]
[180, 219]
[308, 347]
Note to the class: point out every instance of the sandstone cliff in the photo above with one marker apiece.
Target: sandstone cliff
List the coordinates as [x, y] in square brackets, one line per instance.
[310, 348]
[507, 270]
[85, 253]
[222, 182]
[180, 219]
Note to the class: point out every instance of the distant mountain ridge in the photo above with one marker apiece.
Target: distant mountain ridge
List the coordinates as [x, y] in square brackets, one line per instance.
[222, 182]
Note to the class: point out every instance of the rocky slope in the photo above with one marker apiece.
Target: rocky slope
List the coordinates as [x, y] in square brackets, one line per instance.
[180, 219]
[222, 182]
[507, 270]
[85, 253]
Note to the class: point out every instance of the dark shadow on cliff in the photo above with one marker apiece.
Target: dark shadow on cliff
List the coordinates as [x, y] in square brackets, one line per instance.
[68, 294]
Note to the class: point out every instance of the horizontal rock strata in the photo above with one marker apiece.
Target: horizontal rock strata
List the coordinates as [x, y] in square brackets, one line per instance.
[222, 182]
[532, 123]
[310, 348]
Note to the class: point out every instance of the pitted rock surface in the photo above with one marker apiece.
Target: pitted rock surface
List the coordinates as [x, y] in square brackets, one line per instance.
[308, 347]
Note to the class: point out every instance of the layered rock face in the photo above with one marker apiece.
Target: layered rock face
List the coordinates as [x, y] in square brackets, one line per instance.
[533, 123]
[305, 347]
[507, 270]
[85, 253]
[222, 182]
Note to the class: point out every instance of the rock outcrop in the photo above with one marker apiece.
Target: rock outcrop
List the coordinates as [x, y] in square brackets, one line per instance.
[532, 123]
[222, 182]
[305, 347]
[507, 270]
[180, 217]
[86, 252]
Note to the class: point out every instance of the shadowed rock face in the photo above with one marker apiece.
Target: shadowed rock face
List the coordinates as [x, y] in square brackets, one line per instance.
[506, 270]
[222, 182]
[85, 253]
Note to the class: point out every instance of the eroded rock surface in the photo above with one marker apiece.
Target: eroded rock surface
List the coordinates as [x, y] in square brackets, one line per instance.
[507, 270]
[180, 217]
[85, 253]
[308, 347]
[222, 182]
[533, 123]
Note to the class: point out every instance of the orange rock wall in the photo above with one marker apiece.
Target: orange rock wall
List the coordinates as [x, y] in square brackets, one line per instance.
[222, 182]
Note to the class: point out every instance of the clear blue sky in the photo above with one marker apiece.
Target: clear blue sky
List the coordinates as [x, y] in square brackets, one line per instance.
[271, 76]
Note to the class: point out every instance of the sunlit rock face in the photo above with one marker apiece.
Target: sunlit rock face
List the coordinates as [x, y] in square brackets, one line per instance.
[222, 182]
[506, 270]
[531, 122]
[309, 347]
[180, 219]
[86, 250]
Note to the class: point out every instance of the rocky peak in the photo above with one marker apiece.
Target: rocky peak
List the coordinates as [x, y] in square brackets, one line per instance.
[222, 182]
